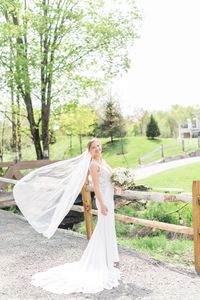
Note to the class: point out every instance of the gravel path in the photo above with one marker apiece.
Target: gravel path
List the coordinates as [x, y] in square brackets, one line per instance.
[146, 171]
[24, 252]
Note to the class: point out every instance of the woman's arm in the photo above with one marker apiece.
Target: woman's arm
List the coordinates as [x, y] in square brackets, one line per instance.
[94, 171]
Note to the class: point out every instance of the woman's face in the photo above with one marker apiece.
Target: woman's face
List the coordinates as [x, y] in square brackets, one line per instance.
[95, 149]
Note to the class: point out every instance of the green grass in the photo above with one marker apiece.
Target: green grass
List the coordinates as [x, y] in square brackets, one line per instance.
[134, 147]
[159, 246]
[180, 177]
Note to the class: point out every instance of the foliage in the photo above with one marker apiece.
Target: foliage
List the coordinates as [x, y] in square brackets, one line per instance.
[160, 212]
[139, 120]
[168, 121]
[152, 128]
[173, 213]
[175, 250]
[156, 242]
[128, 210]
[78, 120]
[113, 122]
[50, 49]
[123, 229]
[141, 187]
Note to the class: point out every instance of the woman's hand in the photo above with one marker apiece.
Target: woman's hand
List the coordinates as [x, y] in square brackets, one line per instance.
[104, 210]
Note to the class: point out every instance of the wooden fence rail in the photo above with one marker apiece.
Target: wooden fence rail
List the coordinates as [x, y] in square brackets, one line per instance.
[13, 173]
[14, 168]
[160, 153]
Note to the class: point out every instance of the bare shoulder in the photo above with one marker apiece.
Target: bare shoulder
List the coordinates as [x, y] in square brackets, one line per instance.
[93, 167]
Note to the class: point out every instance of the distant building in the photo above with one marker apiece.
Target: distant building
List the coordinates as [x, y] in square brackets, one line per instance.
[191, 129]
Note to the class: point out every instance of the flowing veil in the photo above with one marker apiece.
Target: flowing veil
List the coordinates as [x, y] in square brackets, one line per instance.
[46, 195]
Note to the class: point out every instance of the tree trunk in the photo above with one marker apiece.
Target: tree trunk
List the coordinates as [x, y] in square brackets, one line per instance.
[122, 144]
[23, 86]
[70, 142]
[14, 137]
[18, 128]
[2, 141]
[80, 141]
[45, 131]
[141, 129]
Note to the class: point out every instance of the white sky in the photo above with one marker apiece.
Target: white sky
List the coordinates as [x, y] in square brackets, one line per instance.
[165, 68]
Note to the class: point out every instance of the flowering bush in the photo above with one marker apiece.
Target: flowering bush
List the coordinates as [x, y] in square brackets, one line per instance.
[123, 178]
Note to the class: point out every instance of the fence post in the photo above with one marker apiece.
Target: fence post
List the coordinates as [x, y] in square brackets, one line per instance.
[198, 140]
[183, 145]
[87, 204]
[196, 222]
[162, 151]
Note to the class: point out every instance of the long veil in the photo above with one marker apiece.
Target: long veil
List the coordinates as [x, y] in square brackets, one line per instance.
[47, 194]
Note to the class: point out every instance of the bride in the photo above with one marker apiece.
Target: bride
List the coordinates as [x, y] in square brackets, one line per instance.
[51, 193]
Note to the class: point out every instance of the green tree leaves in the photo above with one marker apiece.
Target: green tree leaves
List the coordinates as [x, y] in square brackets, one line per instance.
[152, 128]
[61, 50]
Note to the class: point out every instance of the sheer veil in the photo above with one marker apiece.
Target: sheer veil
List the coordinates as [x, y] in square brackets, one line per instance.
[46, 195]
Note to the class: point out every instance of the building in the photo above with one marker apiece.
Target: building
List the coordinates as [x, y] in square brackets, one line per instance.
[191, 129]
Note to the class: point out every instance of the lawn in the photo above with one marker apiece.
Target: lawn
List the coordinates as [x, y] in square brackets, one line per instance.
[180, 177]
[134, 147]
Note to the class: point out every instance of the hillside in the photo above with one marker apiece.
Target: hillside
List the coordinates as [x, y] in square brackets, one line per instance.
[134, 147]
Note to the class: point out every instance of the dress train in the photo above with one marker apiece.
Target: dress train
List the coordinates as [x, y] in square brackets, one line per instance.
[95, 270]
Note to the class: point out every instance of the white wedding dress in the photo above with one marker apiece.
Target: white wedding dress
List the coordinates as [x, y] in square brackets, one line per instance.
[95, 270]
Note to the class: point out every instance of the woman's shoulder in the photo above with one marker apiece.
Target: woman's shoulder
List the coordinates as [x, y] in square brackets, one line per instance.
[93, 165]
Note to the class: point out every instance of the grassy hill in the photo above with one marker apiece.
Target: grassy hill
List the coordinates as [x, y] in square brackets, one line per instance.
[134, 147]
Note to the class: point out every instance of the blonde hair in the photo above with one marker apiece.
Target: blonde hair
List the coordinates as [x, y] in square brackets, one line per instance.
[89, 144]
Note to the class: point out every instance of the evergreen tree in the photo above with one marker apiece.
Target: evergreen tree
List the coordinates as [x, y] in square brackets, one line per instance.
[152, 128]
[113, 123]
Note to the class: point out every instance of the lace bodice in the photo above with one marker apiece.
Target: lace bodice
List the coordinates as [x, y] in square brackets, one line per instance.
[105, 173]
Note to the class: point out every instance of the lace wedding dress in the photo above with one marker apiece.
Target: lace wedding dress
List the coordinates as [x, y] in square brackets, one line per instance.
[95, 270]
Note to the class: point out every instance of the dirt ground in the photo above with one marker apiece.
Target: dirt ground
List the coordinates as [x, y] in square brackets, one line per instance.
[24, 252]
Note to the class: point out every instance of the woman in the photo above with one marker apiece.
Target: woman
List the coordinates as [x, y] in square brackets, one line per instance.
[95, 270]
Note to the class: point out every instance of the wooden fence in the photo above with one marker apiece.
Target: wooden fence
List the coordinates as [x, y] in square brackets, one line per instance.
[13, 174]
[181, 146]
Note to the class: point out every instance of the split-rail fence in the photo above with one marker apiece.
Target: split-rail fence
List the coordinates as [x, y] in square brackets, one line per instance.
[13, 174]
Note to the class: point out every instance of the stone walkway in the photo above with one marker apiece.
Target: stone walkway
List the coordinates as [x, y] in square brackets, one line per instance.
[24, 252]
[146, 171]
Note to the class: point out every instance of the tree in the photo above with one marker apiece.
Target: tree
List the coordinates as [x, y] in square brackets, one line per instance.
[79, 120]
[113, 121]
[140, 118]
[152, 128]
[61, 48]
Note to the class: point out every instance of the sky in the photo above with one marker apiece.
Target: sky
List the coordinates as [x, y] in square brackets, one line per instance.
[165, 60]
